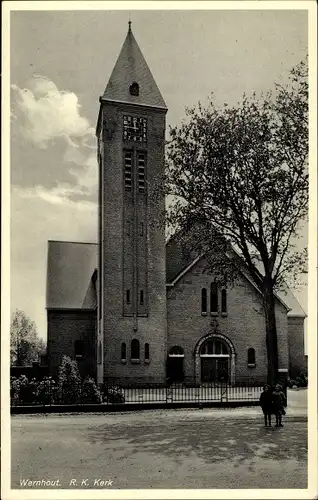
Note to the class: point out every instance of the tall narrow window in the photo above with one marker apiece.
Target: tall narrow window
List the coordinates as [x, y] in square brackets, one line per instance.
[251, 357]
[79, 348]
[135, 350]
[214, 298]
[204, 301]
[141, 229]
[223, 301]
[128, 296]
[141, 297]
[123, 354]
[99, 352]
[141, 164]
[128, 155]
[147, 352]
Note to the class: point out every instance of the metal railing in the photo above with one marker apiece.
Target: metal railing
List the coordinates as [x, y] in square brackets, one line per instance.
[137, 391]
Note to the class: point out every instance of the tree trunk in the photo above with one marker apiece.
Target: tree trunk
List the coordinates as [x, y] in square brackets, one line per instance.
[271, 332]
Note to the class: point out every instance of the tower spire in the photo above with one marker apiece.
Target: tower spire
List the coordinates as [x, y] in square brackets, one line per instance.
[131, 68]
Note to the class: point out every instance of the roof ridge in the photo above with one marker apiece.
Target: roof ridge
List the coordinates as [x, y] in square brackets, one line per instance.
[73, 242]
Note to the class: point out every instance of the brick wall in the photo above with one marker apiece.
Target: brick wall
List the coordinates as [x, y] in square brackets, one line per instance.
[64, 328]
[297, 358]
[117, 328]
[244, 323]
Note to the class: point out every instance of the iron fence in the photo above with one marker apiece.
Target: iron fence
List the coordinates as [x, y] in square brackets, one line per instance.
[126, 391]
[184, 392]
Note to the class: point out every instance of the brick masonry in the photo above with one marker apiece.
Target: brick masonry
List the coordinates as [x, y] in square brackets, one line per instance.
[297, 358]
[116, 328]
[244, 323]
[64, 328]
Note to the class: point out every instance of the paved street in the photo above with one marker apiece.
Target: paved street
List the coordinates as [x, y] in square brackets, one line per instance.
[209, 448]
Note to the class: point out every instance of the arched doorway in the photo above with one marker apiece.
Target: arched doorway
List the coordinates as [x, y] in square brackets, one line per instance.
[175, 369]
[214, 354]
[215, 360]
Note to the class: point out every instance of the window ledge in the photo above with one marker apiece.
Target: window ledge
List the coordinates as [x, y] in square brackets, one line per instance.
[123, 361]
[147, 361]
[78, 356]
[214, 313]
[135, 361]
[251, 365]
[224, 314]
[204, 313]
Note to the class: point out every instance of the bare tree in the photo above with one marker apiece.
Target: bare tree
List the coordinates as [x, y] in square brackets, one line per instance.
[239, 179]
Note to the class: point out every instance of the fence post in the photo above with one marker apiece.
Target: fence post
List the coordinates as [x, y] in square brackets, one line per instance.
[168, 391]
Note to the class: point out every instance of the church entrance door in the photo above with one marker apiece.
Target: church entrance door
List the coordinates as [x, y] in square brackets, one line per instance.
[175, 369]
[215, 366]
[214, 369]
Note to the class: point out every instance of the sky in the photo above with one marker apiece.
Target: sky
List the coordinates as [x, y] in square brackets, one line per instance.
[60, 64]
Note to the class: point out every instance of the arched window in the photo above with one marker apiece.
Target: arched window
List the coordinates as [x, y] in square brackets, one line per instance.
[204, 301]
[135, 349]
[79, 348]
[134, 89]
[251, 357]
[223, 301]
[215, 347]
[123, 354]
[147, 351]
[214, 298]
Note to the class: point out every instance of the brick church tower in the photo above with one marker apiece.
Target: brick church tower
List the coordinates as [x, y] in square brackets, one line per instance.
[132, 332]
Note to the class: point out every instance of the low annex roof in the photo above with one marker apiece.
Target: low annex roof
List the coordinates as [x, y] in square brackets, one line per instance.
[70, 267]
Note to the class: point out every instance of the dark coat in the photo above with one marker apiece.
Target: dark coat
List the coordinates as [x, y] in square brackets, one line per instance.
[266, 401]
[279, 402]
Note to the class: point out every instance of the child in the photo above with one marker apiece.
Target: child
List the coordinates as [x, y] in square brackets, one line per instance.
[279, 402]
[266, 402]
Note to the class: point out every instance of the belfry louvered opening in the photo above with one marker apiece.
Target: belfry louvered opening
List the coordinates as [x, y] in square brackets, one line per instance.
[141, 165]
[128, 164]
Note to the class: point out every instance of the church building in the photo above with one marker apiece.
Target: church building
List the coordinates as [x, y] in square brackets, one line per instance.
[133, 306]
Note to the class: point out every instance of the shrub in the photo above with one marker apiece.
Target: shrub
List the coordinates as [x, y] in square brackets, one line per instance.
[300, 381]
[14, 391]
[22, 391]
[46, 391]
[69, 382]
[90, 392]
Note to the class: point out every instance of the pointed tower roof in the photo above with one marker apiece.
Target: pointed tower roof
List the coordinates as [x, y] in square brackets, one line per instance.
[131, 68]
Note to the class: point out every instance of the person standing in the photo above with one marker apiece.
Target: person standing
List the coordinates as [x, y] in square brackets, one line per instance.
[279, 403]
[266, 402]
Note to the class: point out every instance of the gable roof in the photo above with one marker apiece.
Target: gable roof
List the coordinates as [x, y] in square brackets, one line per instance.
[132, 67]
[179, 262]
[70, 267]
[71, 275]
